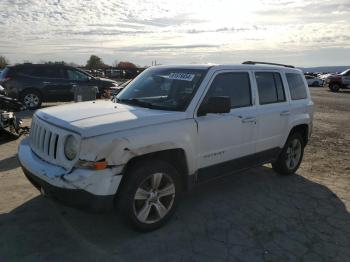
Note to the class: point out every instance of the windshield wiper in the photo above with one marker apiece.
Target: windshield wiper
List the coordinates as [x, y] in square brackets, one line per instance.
[137, 102]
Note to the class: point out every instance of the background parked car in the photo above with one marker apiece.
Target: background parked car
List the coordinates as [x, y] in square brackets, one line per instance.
[340, 81]
[33, 84]
[313, 81]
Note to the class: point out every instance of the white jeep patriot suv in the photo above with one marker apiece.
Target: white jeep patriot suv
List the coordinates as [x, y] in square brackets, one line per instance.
[170, 128]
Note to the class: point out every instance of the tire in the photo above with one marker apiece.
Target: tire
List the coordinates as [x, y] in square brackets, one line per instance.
[289, 161]
[334, 87]
[31, 98]
[139, 200]
[315, 84]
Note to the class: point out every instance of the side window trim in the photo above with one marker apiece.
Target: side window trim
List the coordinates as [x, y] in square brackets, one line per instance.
[284, 93]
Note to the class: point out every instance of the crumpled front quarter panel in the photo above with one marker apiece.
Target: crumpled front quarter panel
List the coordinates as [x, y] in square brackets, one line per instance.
[118, 148]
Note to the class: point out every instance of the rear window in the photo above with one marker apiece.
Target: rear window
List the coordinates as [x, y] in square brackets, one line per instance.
[296, 86]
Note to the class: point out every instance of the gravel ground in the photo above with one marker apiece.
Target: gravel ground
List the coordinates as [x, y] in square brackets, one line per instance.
[250, 216]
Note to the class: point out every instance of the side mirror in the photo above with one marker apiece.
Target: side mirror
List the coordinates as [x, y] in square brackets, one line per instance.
[215, 105]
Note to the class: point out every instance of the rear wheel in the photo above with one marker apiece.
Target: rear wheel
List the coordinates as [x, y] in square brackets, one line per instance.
[291, 156]
[148, 198]
[32, 99]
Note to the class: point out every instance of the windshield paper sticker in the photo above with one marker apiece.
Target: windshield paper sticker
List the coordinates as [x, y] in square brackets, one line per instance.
[181, 76]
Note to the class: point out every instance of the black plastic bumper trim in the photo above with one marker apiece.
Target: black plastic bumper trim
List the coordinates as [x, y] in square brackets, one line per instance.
[72, 197]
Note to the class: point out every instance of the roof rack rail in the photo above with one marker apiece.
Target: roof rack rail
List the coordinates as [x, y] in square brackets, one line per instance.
[265, 63]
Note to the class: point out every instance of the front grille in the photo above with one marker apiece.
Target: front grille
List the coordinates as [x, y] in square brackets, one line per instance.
[47, 142]
[44, 141]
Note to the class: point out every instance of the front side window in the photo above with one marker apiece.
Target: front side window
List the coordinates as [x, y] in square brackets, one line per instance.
[77, 75]
[160, 88]
[270, 87]
[296, 86]
[235, 85]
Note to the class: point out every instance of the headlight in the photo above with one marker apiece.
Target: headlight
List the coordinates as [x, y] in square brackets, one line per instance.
[70, 147]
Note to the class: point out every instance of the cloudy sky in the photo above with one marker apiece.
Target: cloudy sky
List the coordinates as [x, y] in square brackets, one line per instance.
[300, 32]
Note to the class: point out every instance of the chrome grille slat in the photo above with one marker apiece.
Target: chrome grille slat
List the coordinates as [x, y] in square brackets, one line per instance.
[42, 139]
[47, 142]
[52, 145]
[55, 148]
[32, 130]
[37, 137]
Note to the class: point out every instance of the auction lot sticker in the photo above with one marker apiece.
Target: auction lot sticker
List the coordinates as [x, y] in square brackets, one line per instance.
[181, 76]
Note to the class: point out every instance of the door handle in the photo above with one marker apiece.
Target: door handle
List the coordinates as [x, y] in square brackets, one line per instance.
[46, 83]
[285, 113]
[249, 120]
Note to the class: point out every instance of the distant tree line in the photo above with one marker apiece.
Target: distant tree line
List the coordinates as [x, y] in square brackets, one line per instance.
[94, 62]
[3, 62]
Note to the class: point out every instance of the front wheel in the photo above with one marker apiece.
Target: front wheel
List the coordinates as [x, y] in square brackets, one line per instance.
[334, 87]
[150, 194]
[291, 156]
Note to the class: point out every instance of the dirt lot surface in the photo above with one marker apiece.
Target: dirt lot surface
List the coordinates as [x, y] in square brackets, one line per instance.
[251, 216]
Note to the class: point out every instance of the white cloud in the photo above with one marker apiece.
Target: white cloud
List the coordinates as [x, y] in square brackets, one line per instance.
[176, 31]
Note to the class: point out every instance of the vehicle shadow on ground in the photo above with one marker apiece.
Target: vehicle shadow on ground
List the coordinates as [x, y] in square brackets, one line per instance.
[250, 216]
[343, 91]
[5, 137]
[9, 163]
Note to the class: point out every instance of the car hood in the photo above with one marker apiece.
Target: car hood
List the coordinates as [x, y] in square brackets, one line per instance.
[108, 83]
[96, 118]
[106, 80]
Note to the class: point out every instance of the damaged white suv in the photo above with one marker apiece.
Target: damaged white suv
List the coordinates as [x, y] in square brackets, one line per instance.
[170, 128]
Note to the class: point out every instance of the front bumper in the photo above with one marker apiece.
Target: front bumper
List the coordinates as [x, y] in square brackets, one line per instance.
[83, 188]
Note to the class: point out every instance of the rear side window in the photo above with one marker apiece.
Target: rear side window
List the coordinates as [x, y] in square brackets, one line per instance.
[234, 85]
[41, 71]
[270, 87]
[25, 71]
[296, 86]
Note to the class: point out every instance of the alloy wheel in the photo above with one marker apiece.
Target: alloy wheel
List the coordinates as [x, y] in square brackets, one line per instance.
[31, 100]
[154, 198]
[293, 153]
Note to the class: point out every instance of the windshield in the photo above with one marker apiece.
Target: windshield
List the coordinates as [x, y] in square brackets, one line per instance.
[166, 89]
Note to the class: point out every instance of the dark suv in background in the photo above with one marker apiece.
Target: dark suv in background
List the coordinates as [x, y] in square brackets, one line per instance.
[33, 84]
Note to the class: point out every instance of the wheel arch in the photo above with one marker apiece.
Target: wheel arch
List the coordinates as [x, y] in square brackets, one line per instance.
[33, 89]
[175, 156]
[303, 129]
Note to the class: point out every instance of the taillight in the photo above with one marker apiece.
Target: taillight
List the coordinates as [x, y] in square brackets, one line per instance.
[5, 79]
